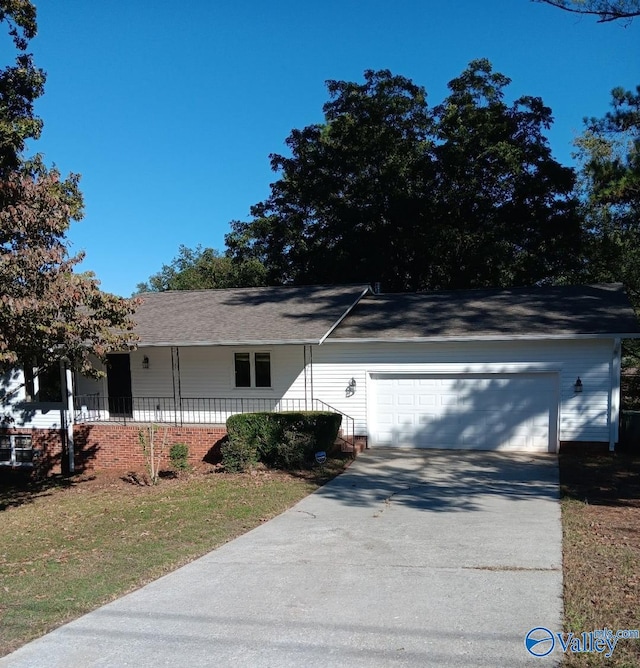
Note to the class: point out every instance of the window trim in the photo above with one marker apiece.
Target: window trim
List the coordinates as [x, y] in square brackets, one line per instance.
[252, 370]
[32, 385]
[13, 461]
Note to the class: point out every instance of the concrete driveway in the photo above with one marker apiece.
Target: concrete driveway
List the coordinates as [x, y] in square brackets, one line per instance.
[411, 558]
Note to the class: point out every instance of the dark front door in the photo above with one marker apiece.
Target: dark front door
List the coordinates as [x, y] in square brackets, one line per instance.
[119, 385]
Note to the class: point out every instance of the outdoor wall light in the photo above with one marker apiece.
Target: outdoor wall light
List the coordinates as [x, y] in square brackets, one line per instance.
[145, 362]
[577, 387]
[351, 387]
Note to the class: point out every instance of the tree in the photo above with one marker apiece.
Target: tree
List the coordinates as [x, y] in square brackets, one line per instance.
[47, 310]
[605, 10]
[465, 194]
[609, 151]
[352, 191]
[205, 268]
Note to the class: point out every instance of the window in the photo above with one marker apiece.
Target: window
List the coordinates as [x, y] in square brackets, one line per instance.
[45, 386]
[16, 451]
[263, 369]
[252, 369]
[243, 370]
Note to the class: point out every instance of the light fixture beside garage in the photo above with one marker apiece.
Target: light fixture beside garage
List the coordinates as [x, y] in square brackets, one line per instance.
[145, 362]
[351, 388]
[577, 386]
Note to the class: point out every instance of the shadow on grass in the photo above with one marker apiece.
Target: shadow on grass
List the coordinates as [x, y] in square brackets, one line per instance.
[18, 488]
[608, 479]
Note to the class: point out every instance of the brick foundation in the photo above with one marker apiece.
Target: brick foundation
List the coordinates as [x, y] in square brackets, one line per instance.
[356, 445]
[584, 447]
[117, 447]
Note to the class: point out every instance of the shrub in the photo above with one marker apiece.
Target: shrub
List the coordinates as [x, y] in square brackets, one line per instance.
[281, 440]
[179, 456]
[238, 453]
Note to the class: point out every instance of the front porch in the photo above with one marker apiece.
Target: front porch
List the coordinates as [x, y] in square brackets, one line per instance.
[184, 411]
[106, 430]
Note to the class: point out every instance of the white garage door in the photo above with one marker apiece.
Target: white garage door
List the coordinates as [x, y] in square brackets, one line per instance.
[467, 411]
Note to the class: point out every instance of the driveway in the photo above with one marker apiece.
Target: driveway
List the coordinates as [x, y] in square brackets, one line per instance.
[411, 558]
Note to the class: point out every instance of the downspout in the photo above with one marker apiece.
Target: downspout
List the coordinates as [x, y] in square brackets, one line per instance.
[68, 373]
[614, 398]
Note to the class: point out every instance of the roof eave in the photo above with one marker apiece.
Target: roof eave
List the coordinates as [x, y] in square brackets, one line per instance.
[245, 342]
[485, 337]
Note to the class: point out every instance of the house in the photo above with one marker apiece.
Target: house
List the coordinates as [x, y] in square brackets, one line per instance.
[524, 369]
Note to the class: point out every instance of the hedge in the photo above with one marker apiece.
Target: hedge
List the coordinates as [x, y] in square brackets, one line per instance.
[280, 440]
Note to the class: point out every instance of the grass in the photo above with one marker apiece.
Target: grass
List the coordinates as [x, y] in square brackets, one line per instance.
[68, 547]
[601, 550]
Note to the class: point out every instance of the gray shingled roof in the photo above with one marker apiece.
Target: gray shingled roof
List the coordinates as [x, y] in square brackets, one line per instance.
[242, 315]
[515, 313]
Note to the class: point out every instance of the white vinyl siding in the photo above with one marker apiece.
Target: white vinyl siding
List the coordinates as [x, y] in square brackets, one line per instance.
[582, 417]
[209, 371]
[19, 411]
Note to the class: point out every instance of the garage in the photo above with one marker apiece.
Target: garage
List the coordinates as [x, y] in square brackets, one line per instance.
[501, 411]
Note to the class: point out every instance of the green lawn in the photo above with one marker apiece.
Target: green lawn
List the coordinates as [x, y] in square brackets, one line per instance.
[65, 549]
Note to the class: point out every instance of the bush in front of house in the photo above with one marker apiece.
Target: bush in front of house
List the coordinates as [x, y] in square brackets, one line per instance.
[281, 440]
[179, 456]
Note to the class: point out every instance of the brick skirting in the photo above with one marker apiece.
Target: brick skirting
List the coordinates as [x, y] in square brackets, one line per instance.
[117, 447]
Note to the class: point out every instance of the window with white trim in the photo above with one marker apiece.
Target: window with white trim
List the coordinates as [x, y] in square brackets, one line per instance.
[252, 369]
[43, 385]
[16, 450]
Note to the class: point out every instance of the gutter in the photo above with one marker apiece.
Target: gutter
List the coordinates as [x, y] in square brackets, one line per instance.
[246, 342]
[487, 337]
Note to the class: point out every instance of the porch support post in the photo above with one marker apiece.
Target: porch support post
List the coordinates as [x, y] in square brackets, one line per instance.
[311, 365]
[304, 366]
[614, 399]
[68, 376]
[177, 384]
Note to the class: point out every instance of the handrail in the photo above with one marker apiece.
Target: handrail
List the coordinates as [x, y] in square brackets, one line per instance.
[350, 430]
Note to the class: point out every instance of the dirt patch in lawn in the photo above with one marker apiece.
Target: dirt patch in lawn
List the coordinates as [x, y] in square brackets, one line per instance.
[601, 550]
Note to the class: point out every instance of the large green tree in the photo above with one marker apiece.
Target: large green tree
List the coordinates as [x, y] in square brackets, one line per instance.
[609, 152]
[47, 309]
[464, 194]
[205, 268]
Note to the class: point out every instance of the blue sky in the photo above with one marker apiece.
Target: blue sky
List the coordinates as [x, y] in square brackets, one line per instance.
[169, 111]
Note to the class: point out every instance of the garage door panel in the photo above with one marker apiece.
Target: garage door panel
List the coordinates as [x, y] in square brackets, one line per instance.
[427, 400]
[499, 411]
[448, 399]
